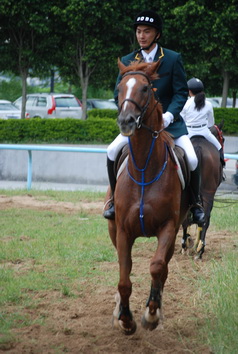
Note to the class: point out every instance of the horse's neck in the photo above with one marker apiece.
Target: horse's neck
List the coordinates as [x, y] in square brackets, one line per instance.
[142, 145]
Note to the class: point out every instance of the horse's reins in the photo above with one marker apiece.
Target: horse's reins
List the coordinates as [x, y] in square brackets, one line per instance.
[155, 135]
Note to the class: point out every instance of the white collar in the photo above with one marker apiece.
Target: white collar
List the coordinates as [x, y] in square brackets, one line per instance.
[149, 57]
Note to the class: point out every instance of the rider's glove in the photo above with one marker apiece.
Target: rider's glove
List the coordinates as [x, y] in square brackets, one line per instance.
[167, 118]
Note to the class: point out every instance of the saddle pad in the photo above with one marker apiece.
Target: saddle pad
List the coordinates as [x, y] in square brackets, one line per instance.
[181, 161]
[178, 156]
[121, 160]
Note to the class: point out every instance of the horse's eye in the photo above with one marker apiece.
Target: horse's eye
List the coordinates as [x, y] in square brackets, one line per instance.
[145, 89]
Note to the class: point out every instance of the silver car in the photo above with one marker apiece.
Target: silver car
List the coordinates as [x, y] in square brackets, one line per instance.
[51, 105]
[8, 110]
[100, 104]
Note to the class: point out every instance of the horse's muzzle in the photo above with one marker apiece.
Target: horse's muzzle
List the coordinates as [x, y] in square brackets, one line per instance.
[127, 124]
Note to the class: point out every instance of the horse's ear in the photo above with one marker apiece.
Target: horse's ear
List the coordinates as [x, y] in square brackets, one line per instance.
[152, 68]
[121, 66]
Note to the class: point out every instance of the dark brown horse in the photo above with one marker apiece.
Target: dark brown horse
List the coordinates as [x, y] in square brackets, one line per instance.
[211, 177]
[149, 200]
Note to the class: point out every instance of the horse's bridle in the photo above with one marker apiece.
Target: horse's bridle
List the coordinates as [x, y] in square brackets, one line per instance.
[141, 109]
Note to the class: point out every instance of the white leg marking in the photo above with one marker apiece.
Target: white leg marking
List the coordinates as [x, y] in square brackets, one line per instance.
[149, 317]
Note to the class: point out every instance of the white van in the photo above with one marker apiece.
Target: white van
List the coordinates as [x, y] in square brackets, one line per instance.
[51, 105]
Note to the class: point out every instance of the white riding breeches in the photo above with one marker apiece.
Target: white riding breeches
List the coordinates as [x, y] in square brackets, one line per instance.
[117, 144]
[204, 131]
[183, 141]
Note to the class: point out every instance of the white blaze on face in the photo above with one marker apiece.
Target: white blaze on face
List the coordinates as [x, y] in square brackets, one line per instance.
[130, 84]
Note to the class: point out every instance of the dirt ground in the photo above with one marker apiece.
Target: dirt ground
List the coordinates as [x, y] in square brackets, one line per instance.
[83, 324]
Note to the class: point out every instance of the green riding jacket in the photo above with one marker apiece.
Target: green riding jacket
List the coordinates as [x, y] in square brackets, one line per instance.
[172, 91]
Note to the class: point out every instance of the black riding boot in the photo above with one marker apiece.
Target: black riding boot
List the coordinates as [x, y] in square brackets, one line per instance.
[110, 212]
[222, 158]
[197, 209]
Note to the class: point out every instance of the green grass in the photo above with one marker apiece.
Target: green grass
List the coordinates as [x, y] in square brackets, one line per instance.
[44, 250]
[218, 294]
[66, 246]
[62, 196]
[224, 214]
[219, 299]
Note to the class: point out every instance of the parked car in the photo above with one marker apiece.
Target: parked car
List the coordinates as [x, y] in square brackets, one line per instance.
[9, 111]
[235, 176]
[216, 102]
[52, 105]
[100, 104]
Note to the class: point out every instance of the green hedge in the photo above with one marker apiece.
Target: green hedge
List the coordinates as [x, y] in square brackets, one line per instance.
[103, 113]
[95, 130]
[230, 117]
[69, 131]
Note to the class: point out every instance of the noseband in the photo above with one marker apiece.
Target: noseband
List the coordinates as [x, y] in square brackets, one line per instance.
[141, 109]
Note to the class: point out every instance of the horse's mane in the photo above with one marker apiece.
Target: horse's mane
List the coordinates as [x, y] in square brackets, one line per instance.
[140, 66]
[167, 137]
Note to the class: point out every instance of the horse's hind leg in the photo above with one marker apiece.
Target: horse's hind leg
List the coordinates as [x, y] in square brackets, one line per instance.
[187, 241]
[122, 316]
[159, 273]
[201, 243]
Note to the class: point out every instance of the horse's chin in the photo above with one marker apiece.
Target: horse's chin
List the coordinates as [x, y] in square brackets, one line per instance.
[127, 130]
[126, 134]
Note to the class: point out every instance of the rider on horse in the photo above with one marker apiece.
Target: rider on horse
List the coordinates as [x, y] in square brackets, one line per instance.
[198, 115]
[171, 90]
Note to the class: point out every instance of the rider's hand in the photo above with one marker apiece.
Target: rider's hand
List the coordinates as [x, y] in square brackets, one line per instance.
[167, 118]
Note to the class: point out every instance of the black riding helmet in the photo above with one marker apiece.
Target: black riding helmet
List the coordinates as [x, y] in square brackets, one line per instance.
[195, 85]
[149, 18]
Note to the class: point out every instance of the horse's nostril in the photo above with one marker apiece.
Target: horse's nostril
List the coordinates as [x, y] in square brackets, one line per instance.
[131, 120]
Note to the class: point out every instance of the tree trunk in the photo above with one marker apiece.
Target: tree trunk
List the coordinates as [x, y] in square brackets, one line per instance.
[84, 100]
[52, 80]
[234, 99]
[84, 75]
[24, 75]
[226, 79]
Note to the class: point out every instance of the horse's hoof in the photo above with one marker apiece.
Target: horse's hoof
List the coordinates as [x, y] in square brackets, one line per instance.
[198, 258]
[189, 242]
[129, 330]
[149, 325]
[150, 322]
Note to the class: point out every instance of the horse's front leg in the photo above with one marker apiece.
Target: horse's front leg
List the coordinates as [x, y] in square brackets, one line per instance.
[159, 272]
[122, 316]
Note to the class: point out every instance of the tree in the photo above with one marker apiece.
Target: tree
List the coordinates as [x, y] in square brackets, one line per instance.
[89, 46]
[26, 40]
[206, 33]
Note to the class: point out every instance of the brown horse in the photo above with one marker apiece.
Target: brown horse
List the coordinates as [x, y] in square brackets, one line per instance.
[211, 177]
[148, 198]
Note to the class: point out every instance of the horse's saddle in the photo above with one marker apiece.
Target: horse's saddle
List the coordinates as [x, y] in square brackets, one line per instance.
[177, 155]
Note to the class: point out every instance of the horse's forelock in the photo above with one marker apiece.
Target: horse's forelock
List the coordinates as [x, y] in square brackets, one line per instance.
[144, 67]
